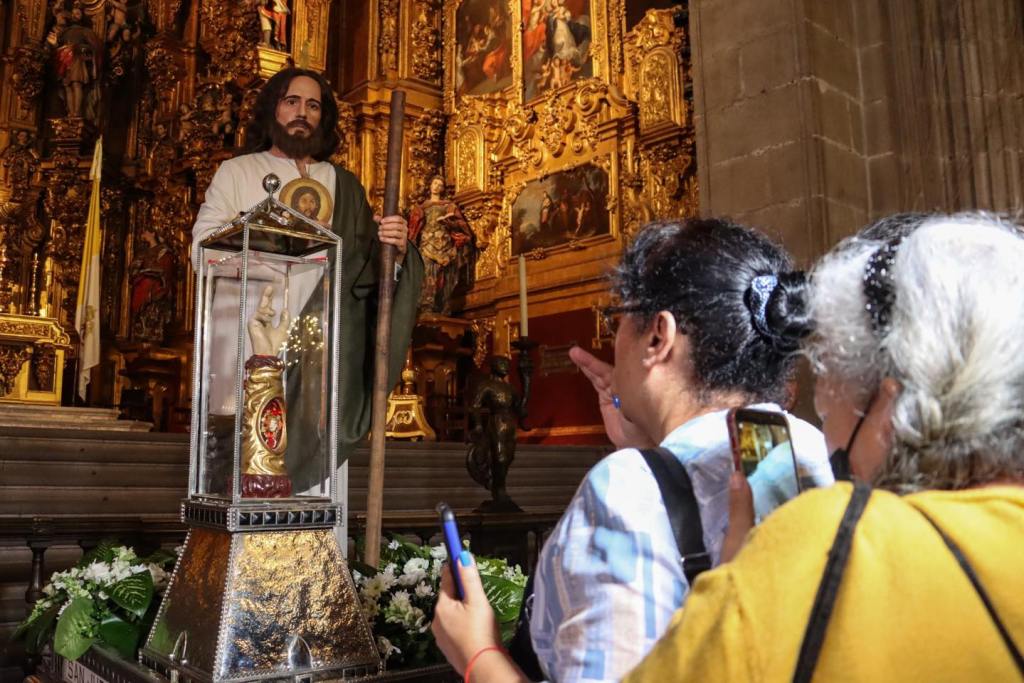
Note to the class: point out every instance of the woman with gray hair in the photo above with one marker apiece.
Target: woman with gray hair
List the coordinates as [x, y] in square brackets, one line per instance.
[919, 351]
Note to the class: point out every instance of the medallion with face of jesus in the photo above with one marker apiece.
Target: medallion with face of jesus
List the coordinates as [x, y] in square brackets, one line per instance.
[309, 198]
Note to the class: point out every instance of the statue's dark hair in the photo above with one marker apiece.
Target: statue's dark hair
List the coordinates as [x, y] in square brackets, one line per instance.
[701, 271]
[265, 112]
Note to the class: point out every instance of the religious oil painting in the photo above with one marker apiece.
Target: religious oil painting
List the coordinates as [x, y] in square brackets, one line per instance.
[556, 44]
[560, 208]
[483, 51]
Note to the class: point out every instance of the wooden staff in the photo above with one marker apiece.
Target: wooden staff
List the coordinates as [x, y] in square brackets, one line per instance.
[375, 489]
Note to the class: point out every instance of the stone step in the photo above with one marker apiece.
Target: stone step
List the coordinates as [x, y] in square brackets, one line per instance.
[47, 417]
[67, 472]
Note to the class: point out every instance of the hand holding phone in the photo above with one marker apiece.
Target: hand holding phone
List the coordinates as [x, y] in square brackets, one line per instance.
[453, 543]
[757, 435]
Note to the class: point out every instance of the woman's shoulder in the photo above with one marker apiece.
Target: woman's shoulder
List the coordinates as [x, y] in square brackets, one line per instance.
[817, 512]
[619, 482]
[798, 424]
[623, 462]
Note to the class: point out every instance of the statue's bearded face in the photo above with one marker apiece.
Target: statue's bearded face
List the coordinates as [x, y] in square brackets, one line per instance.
[296, 130]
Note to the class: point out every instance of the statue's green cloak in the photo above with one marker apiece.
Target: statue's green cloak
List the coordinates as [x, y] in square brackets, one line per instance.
[353, 222]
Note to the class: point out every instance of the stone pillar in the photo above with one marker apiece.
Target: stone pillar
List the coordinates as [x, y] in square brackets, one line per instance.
[815, 116]
[779, 117]
[957, 87]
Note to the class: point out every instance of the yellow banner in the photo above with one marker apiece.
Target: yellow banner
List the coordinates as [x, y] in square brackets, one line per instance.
[87, 310]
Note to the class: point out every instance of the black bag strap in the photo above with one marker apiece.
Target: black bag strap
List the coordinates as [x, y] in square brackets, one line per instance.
[683, 513]
[972, 576]
[828, 589]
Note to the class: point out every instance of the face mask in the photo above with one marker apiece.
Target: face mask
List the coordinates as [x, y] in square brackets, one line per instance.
[840, 458]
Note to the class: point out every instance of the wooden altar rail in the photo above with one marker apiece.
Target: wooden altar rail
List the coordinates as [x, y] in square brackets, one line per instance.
[62, 490]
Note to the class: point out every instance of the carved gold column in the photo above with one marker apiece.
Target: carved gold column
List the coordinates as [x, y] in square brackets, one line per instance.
[403, 50]
[660, 167]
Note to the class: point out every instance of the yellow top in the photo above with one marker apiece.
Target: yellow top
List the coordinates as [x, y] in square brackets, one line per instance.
[905, 610]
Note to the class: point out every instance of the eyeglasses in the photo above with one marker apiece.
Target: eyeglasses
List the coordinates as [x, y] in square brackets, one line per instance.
[612, 316]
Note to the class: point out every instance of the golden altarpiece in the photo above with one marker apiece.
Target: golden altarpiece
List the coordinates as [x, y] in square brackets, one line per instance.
[557, 127]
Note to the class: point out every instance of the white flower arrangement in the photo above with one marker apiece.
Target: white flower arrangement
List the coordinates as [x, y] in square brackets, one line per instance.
[105, 597]
[398, 600]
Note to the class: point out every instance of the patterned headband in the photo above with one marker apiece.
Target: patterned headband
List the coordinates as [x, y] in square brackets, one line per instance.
[879, 291]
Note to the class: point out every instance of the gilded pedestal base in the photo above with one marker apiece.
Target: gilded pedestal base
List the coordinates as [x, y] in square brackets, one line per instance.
[249, 606]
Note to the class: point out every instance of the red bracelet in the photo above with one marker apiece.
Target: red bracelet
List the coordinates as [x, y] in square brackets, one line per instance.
[472, 660]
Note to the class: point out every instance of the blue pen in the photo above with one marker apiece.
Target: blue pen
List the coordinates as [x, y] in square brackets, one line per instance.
[453, 543]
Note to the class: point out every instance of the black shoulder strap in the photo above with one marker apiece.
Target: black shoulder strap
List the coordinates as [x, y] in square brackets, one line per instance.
[683, 513]
[828, 589]
[972, 576]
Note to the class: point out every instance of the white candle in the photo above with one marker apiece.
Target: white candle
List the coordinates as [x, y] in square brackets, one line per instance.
[524, 327]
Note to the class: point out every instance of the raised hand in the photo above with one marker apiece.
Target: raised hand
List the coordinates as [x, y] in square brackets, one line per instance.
[621, 432]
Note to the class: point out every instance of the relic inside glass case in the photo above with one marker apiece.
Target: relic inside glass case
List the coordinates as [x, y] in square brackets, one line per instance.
[265, 383]
[262, 590]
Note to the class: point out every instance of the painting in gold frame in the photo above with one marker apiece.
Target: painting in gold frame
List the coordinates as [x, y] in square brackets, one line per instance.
[564, 207]
[556, 42]
[483, 47]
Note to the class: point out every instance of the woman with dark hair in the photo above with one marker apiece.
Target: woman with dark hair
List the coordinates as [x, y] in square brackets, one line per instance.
[913, 572]
[710, 315]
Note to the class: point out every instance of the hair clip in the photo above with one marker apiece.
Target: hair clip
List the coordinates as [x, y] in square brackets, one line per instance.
[756, 298]
[879, 291]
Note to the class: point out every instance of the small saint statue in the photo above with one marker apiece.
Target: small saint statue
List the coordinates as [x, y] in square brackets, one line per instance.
[495, 411]
[151, 277]
[274, 23]
[77, 54]
[446, 243]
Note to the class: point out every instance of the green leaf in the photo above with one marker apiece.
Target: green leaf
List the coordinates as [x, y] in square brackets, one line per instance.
[160, 557]
[506, 597]
[120, 635]
[507, 630]
[23, 628]
[133, 593]
[74, 628]
[41, 630]
[104, 552]
[37, 631]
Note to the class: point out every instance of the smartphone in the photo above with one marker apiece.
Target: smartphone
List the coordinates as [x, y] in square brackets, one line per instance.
[453, 543]
[759, 435]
